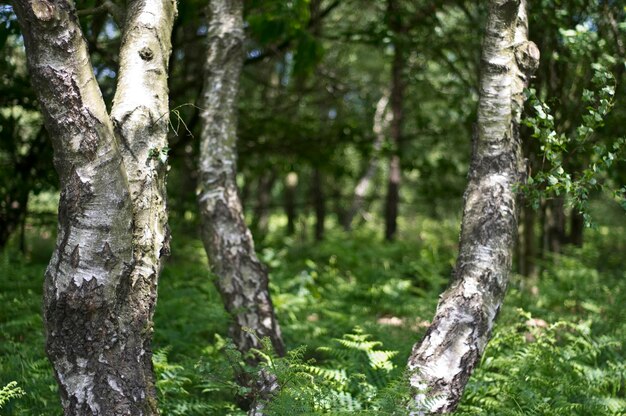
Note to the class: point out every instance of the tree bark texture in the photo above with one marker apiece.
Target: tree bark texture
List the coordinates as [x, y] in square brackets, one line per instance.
[382, 119]
[100, 285]
[242, 278]
[442, 362]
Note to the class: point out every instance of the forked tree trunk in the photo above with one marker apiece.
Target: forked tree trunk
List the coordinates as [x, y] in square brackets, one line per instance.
[442, 362]
[100, 286]
[242, 278]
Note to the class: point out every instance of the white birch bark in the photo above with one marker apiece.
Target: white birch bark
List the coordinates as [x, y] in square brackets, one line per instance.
[442, 362]
[98, 320]
[242, 278]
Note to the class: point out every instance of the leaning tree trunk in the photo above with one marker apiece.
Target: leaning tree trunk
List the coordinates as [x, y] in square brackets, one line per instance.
[100, 286]
[242, 278]
[442, 362]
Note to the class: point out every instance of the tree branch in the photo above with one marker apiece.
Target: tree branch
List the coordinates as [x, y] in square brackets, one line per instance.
[117, 13]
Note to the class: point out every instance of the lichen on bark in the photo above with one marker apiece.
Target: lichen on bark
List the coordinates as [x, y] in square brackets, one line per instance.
[242, 279]
[442, 362]
[98, 323]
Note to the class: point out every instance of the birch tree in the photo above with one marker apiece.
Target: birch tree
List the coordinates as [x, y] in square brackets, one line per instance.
[100, 285]
[242, 278]
[442, 362]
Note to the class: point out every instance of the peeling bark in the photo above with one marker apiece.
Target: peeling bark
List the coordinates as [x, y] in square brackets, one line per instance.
[242, 278]
[442, 362]
[98, 320]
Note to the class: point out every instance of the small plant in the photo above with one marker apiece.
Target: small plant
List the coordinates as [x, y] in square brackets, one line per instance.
[557, 148]
[517, 373]
[9, 392]
[354, 376]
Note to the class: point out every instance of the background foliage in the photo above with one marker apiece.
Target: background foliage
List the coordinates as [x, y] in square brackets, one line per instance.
[350, 305]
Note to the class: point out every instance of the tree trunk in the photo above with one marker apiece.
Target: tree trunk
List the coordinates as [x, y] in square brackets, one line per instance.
[577, 228]
[242, 278]
[442, 362]
[527, 242]
[261, 219]
[382, 118]
[393, 198]
[100, 286]
[554, 225]
[396, 102]
[319, 204]
[291, 182]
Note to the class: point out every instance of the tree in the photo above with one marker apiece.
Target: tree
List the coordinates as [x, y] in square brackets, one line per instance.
[242, 278]
[382, 118]
[100, 285]
[396, 103]
[442, 362]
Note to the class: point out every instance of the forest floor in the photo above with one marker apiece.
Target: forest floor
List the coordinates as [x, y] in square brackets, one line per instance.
[352, 307]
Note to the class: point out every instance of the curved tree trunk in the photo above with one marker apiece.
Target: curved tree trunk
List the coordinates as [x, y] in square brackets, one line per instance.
[100, 286]
[442, 362]
[242, 278]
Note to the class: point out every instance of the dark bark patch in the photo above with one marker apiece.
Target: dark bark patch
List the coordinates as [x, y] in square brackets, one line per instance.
[527, 57]
[75, 257]
[109, 258]
[76, 195]
[89, 146]
[146, 54]
[494, 68]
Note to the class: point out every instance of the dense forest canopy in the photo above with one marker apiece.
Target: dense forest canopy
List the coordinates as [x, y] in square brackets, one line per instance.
[343, 206]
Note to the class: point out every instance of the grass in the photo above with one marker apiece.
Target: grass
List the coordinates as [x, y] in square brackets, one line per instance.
[558, 346]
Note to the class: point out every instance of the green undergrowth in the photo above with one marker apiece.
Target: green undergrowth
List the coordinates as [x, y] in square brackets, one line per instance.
[350, 309]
